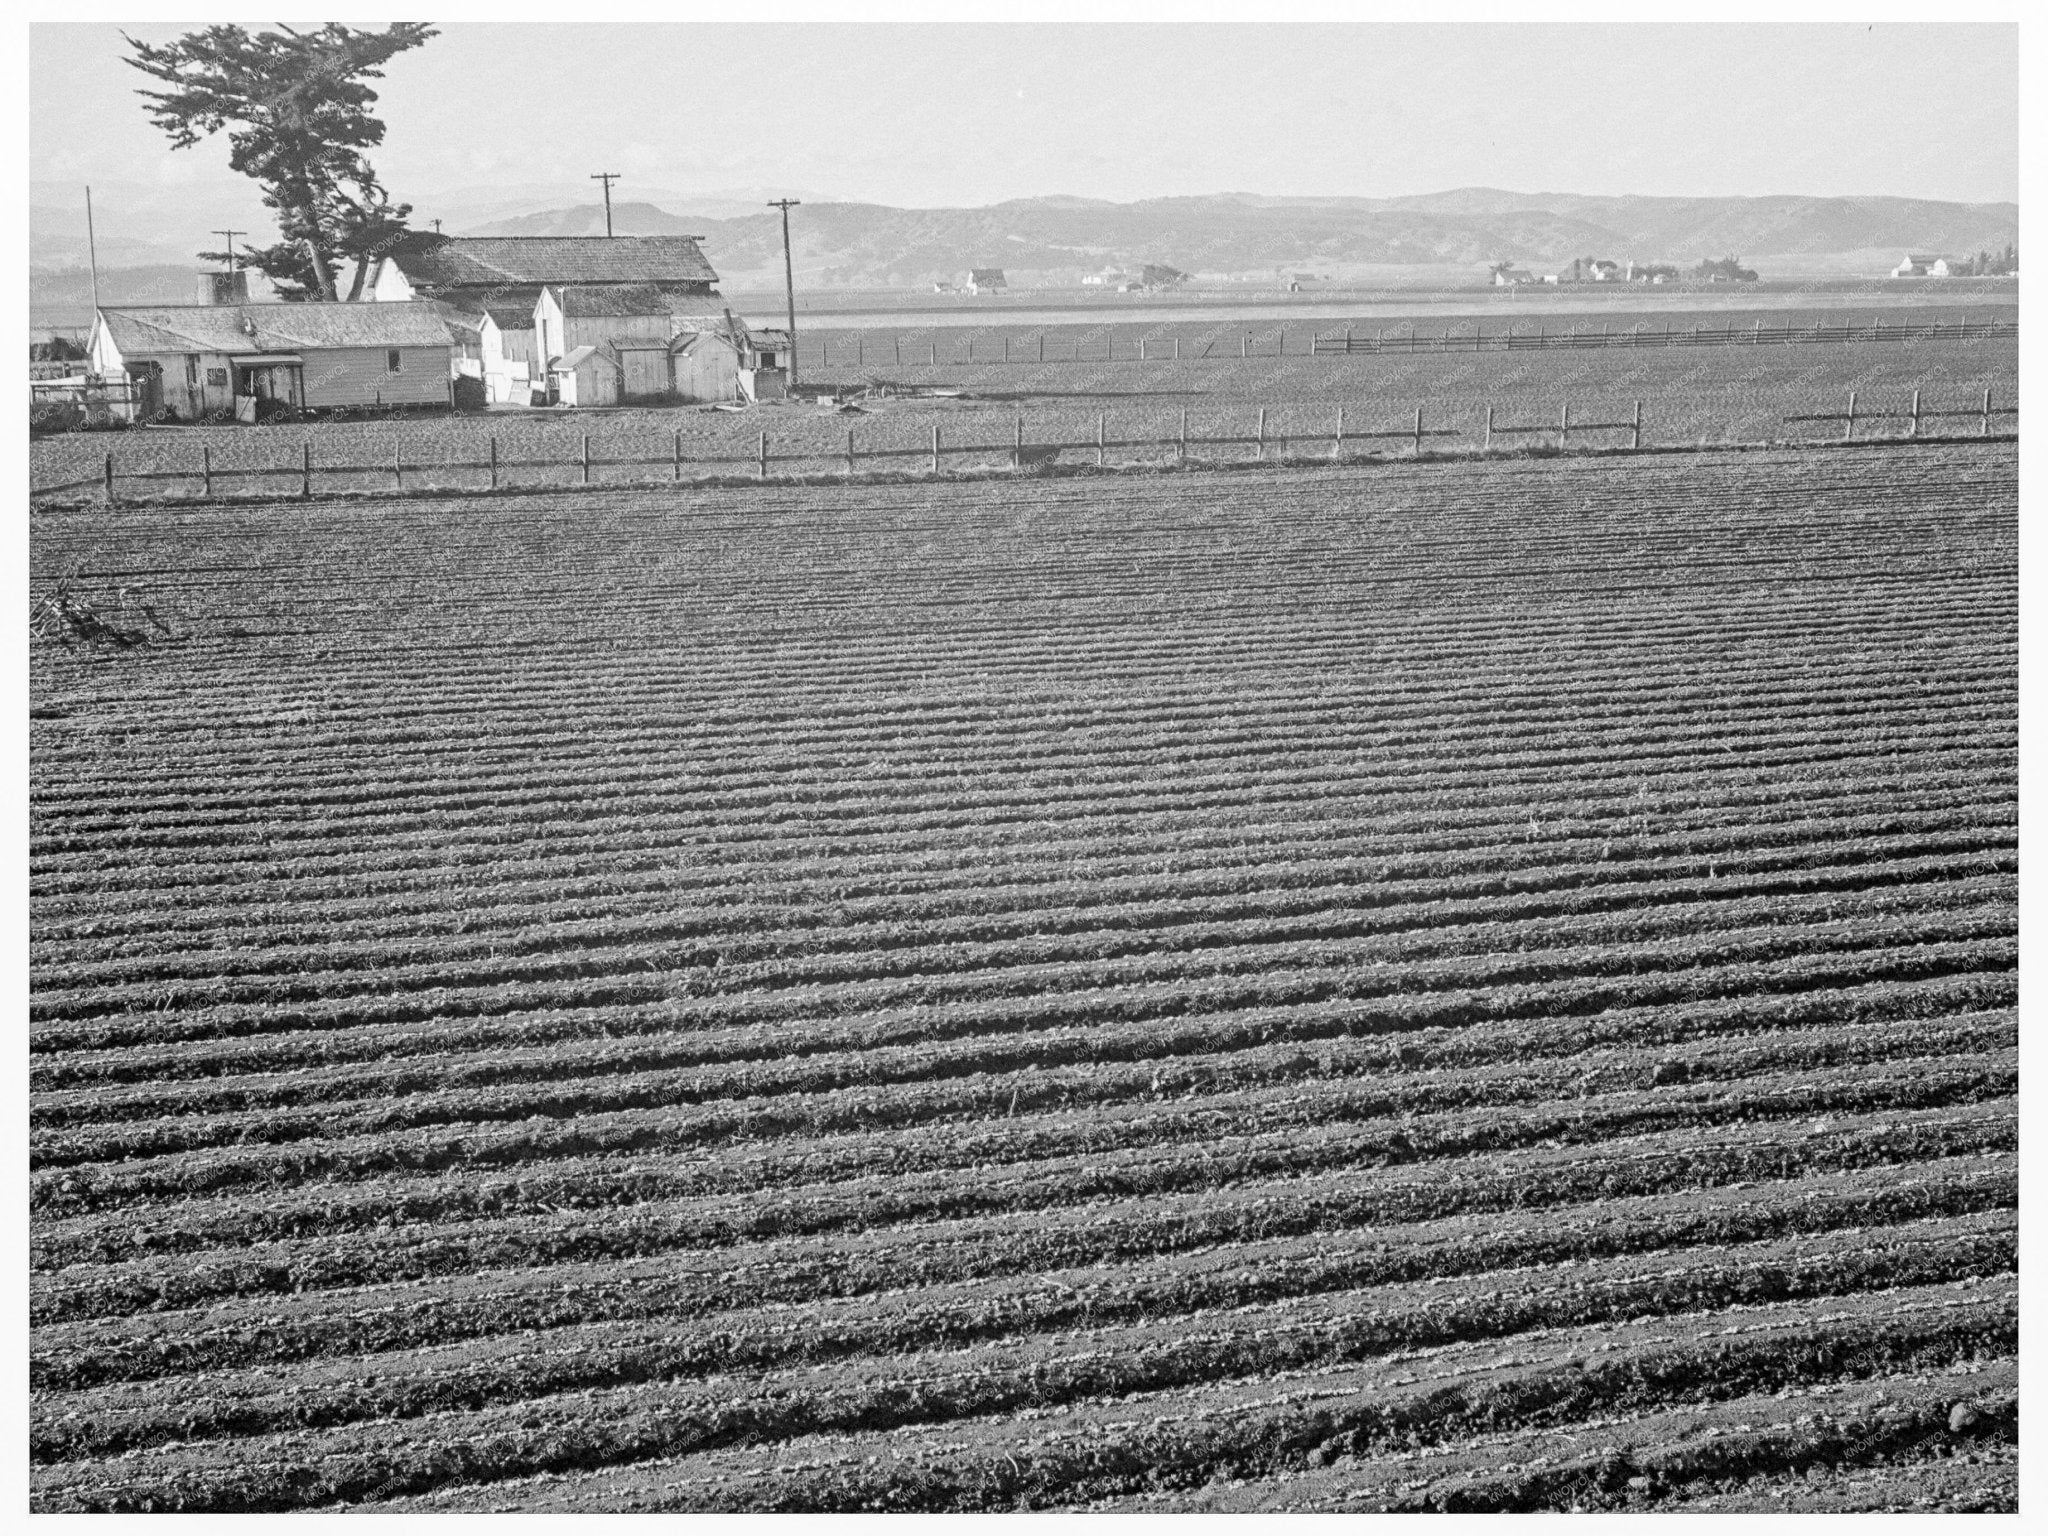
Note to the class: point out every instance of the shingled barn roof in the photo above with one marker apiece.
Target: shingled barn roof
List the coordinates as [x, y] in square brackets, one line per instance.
[640, 299]
[445, 261]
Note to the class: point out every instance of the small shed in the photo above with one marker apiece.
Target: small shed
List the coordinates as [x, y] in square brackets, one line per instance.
[704, 365]
[585, 376]
[986, 280]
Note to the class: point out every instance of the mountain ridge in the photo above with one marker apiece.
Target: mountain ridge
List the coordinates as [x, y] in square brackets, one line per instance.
[1060, 237]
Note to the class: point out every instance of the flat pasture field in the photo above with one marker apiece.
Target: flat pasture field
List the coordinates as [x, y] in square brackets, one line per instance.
[1689, 397]
[1469, 985]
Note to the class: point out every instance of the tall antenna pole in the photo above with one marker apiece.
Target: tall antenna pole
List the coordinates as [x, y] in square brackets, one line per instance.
[230, 233]
[92, 253]
[607, 177]
[789, 279]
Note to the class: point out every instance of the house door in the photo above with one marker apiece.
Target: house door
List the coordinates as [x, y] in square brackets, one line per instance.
[272, 381]
[146, 390]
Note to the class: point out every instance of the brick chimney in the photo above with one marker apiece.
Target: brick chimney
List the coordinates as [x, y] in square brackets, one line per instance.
[223, 287]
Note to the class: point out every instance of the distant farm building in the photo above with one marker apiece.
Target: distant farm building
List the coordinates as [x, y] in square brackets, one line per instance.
[1505, 276]
[248, 360]
[1915, 266]
[506, 352]
[986, 280]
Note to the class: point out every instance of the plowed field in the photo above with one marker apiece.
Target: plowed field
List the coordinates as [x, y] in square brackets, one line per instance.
[1483, 985]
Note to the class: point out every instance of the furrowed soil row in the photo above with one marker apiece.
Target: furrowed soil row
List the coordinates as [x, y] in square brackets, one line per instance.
[975, 1256]
[1334, 988]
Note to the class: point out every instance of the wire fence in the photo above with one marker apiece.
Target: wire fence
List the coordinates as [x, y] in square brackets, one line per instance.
[305, 475]
[863, 349]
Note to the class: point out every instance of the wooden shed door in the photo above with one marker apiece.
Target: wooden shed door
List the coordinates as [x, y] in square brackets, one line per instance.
[646, 373]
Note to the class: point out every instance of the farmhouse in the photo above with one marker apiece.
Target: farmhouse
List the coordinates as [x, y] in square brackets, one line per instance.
[489, 269]
[985, 280]
[194, 360]
[1512, 277]
[1915, 266]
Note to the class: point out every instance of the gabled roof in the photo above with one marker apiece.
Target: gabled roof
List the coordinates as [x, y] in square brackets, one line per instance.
[573, 360]
[985, 275]
[511, 308]
[445, 261]
[642, 299]
[272, 327]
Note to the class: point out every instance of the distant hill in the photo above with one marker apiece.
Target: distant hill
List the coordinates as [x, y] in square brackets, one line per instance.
[1060, 238]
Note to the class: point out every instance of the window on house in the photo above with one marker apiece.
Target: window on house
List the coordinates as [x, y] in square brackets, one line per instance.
[391, 361]
[217, 377]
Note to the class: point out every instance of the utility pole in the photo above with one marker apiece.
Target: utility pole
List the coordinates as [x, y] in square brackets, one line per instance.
[789, 280]
[230, 233]
[92, 254]
[607, 177]
[437, 225]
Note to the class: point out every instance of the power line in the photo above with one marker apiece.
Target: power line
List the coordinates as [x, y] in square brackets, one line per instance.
[607, 177]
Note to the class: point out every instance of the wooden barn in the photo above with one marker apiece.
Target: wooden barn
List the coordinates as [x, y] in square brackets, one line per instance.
[488, 270]
[197, 360]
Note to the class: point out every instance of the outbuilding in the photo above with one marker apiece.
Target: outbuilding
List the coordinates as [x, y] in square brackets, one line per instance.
[196, 360]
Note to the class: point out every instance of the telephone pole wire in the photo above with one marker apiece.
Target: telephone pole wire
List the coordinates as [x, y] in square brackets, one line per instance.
[607, 177]
[230, 233]
[789, 280]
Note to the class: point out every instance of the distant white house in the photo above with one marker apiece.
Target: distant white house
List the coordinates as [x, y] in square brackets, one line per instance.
[1505, 276]
[1916, 266]
[985, 280]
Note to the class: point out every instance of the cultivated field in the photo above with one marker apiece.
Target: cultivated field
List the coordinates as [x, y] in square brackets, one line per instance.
[1731, 395]
[1482, 985]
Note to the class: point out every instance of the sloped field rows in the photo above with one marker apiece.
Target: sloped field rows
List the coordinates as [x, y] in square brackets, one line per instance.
[1479, 986]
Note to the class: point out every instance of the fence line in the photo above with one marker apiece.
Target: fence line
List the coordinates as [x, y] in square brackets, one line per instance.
[868, 350]
[1184, 447]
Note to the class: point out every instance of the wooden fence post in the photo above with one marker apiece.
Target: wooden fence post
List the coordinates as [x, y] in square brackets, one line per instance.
[760, 464]
[935, 447]
[586, 458]
[206, 471]
[1017, 447]
[676, 470]
[1183, 455]
[849, 450]
[1337, 448]
[1418, 431]
[1636, 441]
[935, 351]
[110, 478]
[1244, 345]
[1488, 441]
[1006, 346]
[1101, 435]
[1849, 421]
[1262, 431]
[306, 470]
[1144, 349]
[1983, 423]
[970, 346]
[1041, 346]
[897, 343]
[398, 468]
[1564, 425]
[1914, 429]
[1176, 349]
[860, 350]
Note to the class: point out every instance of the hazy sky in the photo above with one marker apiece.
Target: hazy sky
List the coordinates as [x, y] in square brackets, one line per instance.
[952, 115]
